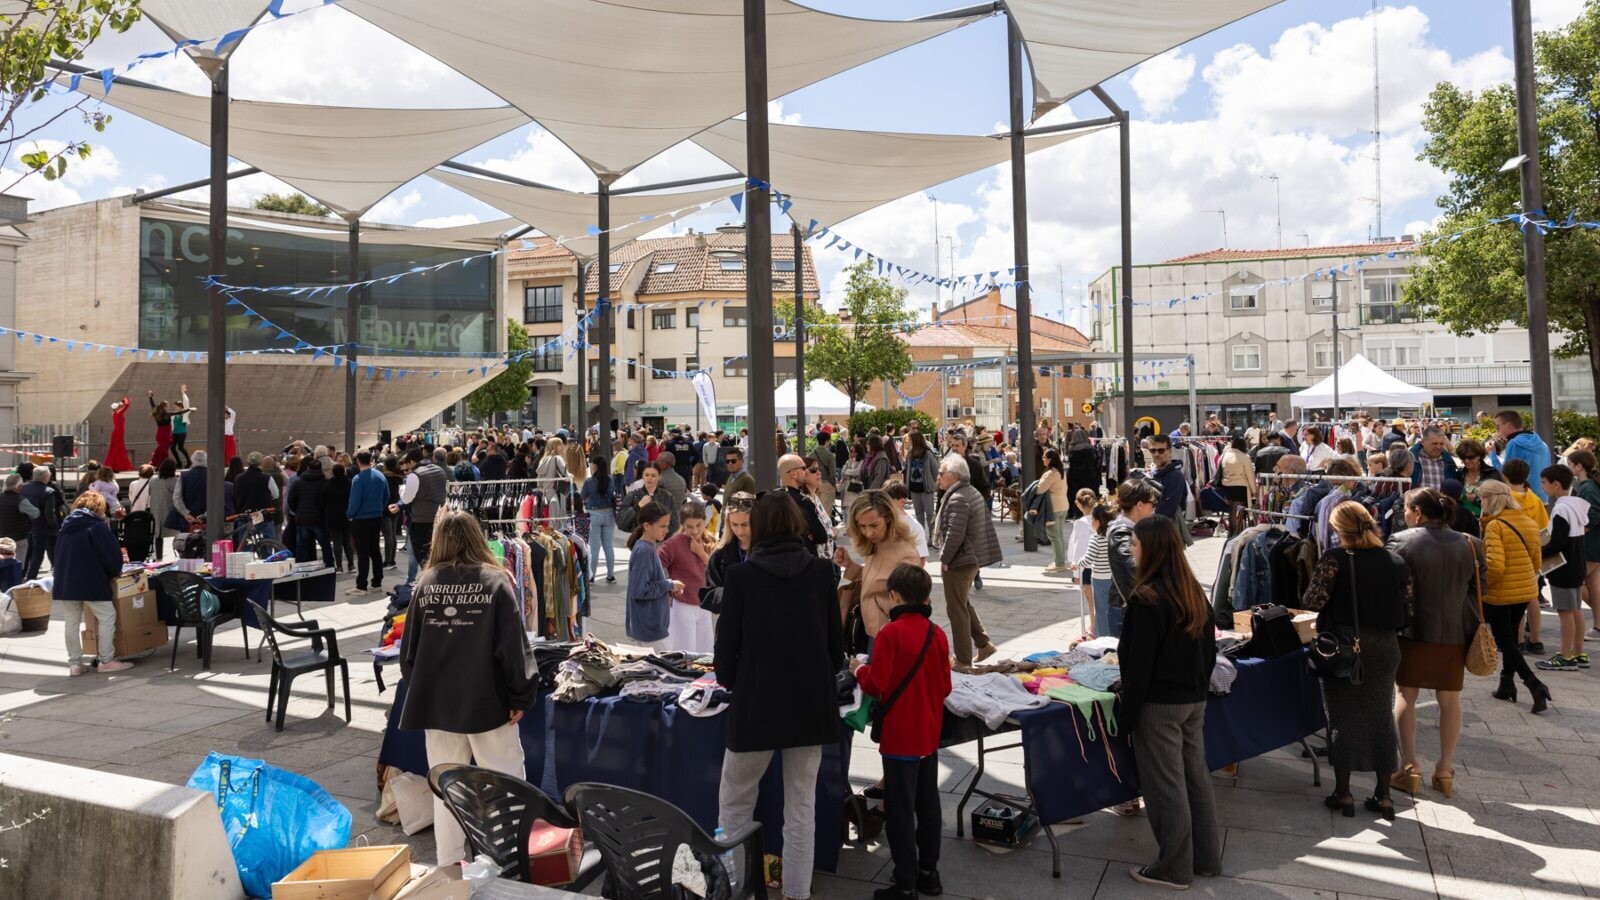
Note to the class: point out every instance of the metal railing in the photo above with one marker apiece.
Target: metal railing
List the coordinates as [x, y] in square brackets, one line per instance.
[1495, 375]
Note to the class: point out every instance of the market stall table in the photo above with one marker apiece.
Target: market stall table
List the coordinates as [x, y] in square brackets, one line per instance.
[649, 746]
[258, 591]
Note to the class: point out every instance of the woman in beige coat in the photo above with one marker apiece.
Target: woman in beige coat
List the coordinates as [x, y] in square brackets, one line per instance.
[879, 532]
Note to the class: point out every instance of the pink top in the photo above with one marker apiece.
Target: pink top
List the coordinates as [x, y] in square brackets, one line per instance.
[681, 563]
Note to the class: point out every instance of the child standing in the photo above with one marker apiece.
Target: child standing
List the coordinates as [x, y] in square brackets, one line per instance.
[910, 674]
[1568, 517]
[648, 613]
[684, 557]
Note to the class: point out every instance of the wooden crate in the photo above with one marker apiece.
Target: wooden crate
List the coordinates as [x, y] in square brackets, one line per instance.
[359, 873]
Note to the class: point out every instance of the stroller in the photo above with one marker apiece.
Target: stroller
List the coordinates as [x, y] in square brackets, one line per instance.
[138, 534]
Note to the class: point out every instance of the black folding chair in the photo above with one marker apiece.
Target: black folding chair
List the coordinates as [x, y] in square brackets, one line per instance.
[498, 811]
[323, 656]
[188, 591]
[638, 836]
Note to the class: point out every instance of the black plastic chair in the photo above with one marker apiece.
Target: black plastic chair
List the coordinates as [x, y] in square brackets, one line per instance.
[638, 836]
[323, 656]
[498, 811]
[186, 590]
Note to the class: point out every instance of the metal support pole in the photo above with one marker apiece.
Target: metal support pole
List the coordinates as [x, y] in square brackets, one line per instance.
[799, 340]
[758, 250]
[1336, 354]
[1533, 205]
[581, 402]
[944, 403]
[1194, 404]
[1125, 154]
[1005, 396]
[1019, 236]
[1055, 399]
[352, 326]
[140, 196]
[217, 333]
[605, 312]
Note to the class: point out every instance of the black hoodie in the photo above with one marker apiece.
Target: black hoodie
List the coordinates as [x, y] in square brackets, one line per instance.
[779, 643]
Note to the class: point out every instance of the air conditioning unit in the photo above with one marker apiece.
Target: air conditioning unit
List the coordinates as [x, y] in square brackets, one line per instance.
[955, 379]
[779, 332]
[968, 411]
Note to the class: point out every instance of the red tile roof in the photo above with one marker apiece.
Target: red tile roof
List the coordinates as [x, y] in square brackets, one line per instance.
[1221, 255]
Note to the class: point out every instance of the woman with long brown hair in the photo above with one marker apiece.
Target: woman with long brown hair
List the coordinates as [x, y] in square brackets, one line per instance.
[1167, 651]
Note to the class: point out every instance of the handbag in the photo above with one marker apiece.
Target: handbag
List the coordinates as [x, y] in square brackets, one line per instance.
[1482, 657]
[1272, 633]
[880, 711]
[1336, 652]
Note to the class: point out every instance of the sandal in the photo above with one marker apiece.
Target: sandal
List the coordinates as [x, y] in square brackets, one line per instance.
[1408, 780]
[1346, 805]
[1373, 804]
[1445, 784]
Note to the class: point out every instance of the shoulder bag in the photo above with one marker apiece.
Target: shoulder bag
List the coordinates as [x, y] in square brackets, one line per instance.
[1336, 652]
[880, 711]
[1482, 658]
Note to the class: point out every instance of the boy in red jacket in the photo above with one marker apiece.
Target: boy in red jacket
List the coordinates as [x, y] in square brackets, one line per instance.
[910, 655]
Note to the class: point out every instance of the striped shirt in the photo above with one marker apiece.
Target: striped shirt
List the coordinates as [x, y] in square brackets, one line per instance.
[1097, 561]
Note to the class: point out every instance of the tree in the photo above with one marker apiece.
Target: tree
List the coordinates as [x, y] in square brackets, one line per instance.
[865, 349]
[291, 203]
[33, 34]
[507, 391]
[1476, 283]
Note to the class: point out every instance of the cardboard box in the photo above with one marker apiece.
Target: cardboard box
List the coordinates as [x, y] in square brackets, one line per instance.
[219, 556]
[1305, 623]
[139, 627]
[359, 873]
[236, 563]
[33, 605]
[1004, 822]
[256, 571]
[130, 583]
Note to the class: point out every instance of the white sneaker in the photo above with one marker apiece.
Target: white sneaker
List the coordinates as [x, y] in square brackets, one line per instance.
[1592, 634]
[1054, 570]
[116, 665]
[356, 592]
[77, 669]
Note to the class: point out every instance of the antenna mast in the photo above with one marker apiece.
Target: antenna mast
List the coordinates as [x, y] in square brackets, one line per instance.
[1377, 132]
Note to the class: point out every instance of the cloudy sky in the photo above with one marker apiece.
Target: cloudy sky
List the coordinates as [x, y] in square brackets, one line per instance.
[1286, 93]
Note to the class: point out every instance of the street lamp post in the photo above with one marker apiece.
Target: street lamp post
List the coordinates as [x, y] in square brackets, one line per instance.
[1533, 205]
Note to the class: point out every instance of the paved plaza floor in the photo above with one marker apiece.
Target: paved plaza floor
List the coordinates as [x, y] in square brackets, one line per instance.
[1525, 821]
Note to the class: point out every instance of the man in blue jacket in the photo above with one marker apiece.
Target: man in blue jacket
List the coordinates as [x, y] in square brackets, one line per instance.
[369, 494]
[1434, 465]
[1168, 475]
[1515, 443]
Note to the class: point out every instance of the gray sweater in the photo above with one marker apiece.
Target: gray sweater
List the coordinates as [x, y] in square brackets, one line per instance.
[1442, 564]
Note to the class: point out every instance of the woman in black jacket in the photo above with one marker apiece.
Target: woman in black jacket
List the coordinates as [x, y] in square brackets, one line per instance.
[1167, 651]
[732, 549]
[335, 507]
[306, 501]
[779, 645]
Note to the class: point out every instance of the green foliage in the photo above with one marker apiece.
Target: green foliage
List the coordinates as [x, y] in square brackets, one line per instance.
[892, 420]
[508, 391]
[1569, 426]
[865, 348]
[33, 33]
[291, 203]
[1476, 283]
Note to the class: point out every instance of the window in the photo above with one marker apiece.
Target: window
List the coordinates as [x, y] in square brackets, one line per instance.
[952, 408]
[541, 304]
[691, 363]
[1322, 293]
[631, 324]
[666, 268]
[731, 264]
[594, 377]
[663, 319]
[547, 359]
[1399, 352]
[615, 268]
[1380, 300]
[633, 369]
[1247, 358]
[1322, 355]
[662, 367]
[691, 318]
[783, 265]
[736, 368]
[734, 316]
[1246, 297]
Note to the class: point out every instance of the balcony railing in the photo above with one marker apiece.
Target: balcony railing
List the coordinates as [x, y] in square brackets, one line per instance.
[1466, 376]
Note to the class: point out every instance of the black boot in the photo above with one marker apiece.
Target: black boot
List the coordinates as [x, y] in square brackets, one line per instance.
[1507, 689]
[895, 892]
[1541, 695]
[928, 883]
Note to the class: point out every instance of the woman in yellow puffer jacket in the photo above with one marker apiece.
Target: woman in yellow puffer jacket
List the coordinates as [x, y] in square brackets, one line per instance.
[1511, 543]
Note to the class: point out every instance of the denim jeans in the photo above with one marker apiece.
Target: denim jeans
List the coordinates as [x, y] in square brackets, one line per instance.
[602, 533]
[1102, 606]
[308, 539]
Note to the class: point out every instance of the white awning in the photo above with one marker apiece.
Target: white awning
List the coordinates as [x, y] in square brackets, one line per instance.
[569, 215]
[189, 20]
[1361, 383]
[347, 158]
[1074, 45]
[822, 399]
[833, 174]
[621, 82]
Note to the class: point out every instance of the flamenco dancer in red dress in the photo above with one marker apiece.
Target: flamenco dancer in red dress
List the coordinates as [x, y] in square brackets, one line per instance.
[117, 455]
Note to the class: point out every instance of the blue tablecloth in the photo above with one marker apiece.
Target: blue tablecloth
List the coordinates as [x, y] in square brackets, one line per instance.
[652, 747]
[1274, 702]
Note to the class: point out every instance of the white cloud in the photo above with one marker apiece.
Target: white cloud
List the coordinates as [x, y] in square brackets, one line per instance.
[902, 231]
[447, 221]
[1162, 80]
[395, 208]
[83, 176]
[1548, 14]
[776, 115]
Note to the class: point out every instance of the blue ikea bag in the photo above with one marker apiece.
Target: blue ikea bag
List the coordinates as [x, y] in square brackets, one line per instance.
[274, 819]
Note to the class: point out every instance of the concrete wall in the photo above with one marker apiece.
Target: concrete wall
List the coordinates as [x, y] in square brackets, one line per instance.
[108, 835]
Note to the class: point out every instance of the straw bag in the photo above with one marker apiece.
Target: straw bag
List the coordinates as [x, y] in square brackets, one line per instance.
[1482, 659]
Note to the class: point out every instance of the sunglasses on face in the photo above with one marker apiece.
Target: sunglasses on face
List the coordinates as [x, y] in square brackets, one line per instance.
[813, 470]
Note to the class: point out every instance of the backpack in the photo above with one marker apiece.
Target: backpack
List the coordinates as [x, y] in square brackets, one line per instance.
[192, 545]
[917, 475]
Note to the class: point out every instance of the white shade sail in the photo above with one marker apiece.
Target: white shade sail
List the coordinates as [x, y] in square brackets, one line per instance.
[1361, 383]
[476, 233]
[822, 399]
[345, 157]
[569, 214]
[1074, 45]
[203, 20]
[621, 82]
[833, 174]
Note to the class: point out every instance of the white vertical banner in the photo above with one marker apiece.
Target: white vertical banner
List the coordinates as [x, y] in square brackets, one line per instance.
[706, 392]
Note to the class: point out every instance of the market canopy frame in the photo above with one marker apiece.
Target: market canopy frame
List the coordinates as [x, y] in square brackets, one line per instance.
[1361, 383]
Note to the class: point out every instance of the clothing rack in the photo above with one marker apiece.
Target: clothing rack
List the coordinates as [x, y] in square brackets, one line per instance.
[1278, 515]
[1318, 476]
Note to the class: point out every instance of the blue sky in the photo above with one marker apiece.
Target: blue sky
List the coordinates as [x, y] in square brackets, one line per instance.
[1285, 92]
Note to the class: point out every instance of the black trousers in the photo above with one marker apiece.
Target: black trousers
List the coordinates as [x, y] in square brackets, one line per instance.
[420, 536]
[1505, 622]
[912, 816]
[368, 552]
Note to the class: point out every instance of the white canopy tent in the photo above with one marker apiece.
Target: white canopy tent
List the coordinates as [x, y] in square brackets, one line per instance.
[833, 174]
[1361, 384]
[822, 399]
[620, 82]
[347, 158]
